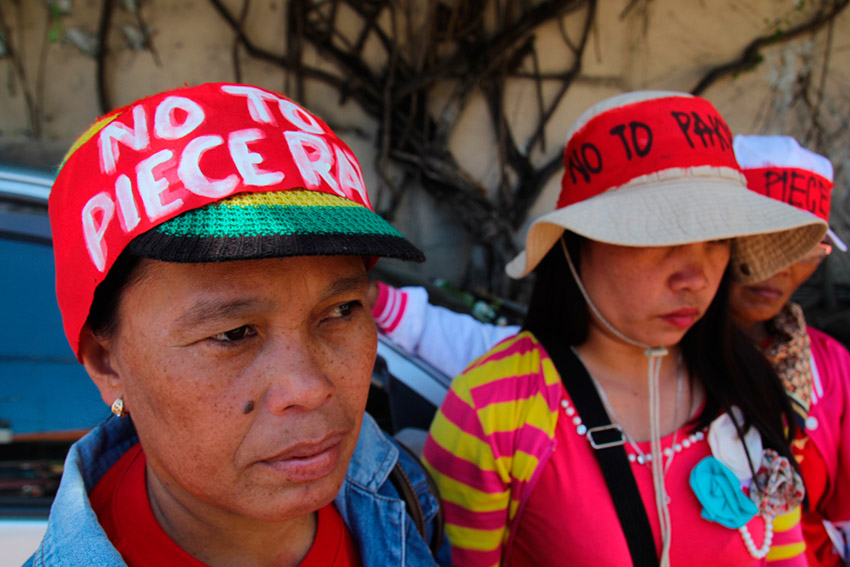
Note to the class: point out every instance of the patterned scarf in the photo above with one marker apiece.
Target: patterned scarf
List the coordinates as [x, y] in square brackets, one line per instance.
[790, 354]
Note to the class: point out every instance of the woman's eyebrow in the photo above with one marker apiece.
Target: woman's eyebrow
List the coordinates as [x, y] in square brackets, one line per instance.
[347, 285]
[211, 309]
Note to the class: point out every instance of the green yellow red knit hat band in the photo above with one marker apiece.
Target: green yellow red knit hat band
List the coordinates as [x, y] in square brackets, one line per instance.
[274, 224]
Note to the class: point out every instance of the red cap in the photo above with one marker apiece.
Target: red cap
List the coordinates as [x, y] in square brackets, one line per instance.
[180, 150]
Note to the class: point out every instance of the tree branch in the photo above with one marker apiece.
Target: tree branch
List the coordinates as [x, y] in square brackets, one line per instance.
[283, 61]
[752, 53]
[33, 114]
[463, 64]
[102, 50]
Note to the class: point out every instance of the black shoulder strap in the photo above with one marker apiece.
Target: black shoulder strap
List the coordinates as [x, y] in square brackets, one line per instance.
[405, 491]
[608, 442]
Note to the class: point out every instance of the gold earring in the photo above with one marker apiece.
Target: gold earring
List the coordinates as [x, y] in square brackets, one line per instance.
[118, 407]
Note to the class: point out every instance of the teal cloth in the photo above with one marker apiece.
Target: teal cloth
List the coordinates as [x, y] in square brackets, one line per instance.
[719, 491]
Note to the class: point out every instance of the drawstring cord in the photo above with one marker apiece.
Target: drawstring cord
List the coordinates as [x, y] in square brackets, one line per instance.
[661, 499]
[655, 355]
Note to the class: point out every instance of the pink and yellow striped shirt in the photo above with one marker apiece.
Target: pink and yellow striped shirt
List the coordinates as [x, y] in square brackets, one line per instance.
[494, 439]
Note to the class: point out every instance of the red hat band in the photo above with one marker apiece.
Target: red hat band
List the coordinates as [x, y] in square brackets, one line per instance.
[801, 188]
[643, 138]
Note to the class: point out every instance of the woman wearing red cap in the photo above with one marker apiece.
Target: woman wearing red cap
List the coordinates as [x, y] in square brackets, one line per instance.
[212, 245]
[814, 367]
[627, 423]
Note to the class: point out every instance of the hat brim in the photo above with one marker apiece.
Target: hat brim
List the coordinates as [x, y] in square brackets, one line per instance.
[274, 224]
[835, 240]
[769, 235]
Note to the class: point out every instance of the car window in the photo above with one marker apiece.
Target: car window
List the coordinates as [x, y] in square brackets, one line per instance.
[44, 388]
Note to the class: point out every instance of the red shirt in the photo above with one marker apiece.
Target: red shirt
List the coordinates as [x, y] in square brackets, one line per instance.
[819, 548]
[121, 503]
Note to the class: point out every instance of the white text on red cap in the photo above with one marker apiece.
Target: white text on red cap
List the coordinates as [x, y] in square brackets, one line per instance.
[163, 179]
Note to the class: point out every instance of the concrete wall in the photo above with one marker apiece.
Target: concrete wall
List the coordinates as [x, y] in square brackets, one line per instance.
[645, 44]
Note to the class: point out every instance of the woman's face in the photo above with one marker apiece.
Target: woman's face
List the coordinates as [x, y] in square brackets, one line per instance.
[652, 294]
[759, 302]
[247, 381]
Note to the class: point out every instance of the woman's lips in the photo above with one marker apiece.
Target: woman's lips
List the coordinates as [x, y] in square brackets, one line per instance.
[765, 292]
[682, 318]
[308, 461]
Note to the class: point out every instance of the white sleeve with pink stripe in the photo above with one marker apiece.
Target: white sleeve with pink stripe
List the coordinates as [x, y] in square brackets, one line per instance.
[445, 339]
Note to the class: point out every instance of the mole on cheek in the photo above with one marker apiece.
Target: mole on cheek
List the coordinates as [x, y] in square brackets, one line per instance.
[249, 407]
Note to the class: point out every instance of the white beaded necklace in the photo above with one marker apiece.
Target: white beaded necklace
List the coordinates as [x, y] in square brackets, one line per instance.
[638, 456]
[758, 552]
[675, 447]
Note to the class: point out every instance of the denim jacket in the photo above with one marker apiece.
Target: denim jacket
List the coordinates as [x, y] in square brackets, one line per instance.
[367, 501]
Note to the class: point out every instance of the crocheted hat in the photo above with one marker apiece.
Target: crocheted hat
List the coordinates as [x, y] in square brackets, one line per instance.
[210, 173]
[656, 168]
[778, 167]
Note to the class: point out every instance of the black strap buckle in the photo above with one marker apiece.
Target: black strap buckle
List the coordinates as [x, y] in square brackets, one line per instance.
[606, 444]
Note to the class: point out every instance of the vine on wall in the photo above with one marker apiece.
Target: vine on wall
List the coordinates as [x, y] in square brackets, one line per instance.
[472, 48]
[477, 47]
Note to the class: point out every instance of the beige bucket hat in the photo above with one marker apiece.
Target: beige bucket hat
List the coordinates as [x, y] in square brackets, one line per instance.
[657, 168]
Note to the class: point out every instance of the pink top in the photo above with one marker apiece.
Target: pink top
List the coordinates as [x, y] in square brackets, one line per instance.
[824, 453]
[572, 485]
[519, 483]
[828, 425]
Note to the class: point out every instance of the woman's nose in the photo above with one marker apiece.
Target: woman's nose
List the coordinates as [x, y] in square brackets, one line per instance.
[691, 263]
[296, 377]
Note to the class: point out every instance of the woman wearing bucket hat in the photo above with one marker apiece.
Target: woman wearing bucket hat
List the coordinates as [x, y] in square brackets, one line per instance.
[211, 252]
[814, 367]
[609, 432]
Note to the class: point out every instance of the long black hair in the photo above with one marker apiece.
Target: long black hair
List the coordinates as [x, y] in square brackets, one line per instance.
[103, 314]
[732, 371]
